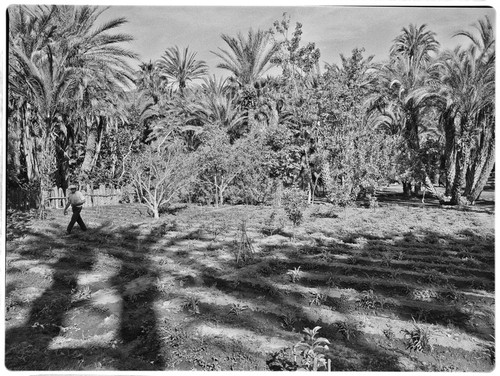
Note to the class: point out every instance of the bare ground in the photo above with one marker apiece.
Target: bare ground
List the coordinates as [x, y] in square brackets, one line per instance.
[185, 293]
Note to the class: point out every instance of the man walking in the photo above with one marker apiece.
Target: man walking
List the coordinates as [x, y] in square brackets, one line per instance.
[76, 200]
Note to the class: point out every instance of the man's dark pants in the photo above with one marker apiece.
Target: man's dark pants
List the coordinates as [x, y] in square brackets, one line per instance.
[76, 218]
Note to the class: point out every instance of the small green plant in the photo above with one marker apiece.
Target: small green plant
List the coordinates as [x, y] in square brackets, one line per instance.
[295, 274]
[237, 309]
[417, 339]
[273, 224]
[191, 304]
[288, 321]
[343, 304]
[317, 299]
[389, 333]
[294, 202]
[312, 350]
[348, 328]
[368, 300]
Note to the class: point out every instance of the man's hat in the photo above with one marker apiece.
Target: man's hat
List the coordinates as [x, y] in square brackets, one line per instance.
[72, 186]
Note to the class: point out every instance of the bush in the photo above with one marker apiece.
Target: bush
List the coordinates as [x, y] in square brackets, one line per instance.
[294, 202]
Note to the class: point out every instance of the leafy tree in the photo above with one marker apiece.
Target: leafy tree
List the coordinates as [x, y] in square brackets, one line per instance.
[355, 155]
[300, 95]
[222, 162]
[159, 174]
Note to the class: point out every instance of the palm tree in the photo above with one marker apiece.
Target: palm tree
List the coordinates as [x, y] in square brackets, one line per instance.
[218, 109]
[53, 50]
[397, 81]
[467, 103]
[180, 68]
[247, 58]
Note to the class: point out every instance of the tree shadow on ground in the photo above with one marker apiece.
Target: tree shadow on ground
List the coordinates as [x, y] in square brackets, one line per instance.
[35, 345]
[30, 346]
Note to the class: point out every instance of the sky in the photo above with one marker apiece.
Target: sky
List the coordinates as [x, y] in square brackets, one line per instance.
[334, 29]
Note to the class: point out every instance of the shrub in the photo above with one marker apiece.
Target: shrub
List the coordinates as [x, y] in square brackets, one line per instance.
[294, 202]
[417, 339]
[312, 349]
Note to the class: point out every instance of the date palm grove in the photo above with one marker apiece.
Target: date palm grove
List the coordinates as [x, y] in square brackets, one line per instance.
[78, 110]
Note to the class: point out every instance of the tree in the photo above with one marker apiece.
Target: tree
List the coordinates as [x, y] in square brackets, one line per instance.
[466, 98]
[395, 84]
[54, 51]
[247, 58]
[356, 156]
[221, 162]
[215, 105]
[159, 174]
[181, 68]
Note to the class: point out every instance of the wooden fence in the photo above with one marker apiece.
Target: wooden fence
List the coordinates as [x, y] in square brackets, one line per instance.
[55, 198]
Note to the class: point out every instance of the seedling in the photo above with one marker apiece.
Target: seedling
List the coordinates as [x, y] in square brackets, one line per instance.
[191, 304]
[417, 339]
[295, 274]
[389, 334]
[312, 349]
[348, 328]
[368, 300]
[288, 321]
[237, 309]
[317, 299]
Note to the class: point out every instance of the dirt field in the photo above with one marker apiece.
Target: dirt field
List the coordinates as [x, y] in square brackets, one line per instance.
[404, 286]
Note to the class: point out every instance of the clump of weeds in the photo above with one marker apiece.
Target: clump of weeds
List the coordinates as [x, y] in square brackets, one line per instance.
[295, 274]
[191, 304]
[317, 299]
[368, 300]
[237, 309]
[349, 328]
[273, 224]
[417, 339]
[288, 321]
[389, 333]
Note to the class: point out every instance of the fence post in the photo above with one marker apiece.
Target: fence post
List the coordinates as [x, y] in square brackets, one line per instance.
[61, 194]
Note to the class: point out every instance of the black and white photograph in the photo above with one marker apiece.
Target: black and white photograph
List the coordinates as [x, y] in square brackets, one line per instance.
[248, 187]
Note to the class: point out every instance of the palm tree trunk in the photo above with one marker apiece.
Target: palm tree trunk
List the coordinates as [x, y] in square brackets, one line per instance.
[463, 155]
[92, 146]
[483, 155]
[477, 186]
[450, 151]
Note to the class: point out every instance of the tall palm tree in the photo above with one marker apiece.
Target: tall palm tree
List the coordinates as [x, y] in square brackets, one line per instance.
[181, 67]
[247, 58]
[467, 102]
[397, 80]
[52, 50]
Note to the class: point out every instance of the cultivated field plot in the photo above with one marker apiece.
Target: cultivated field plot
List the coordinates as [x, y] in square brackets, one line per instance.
[397, 288]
